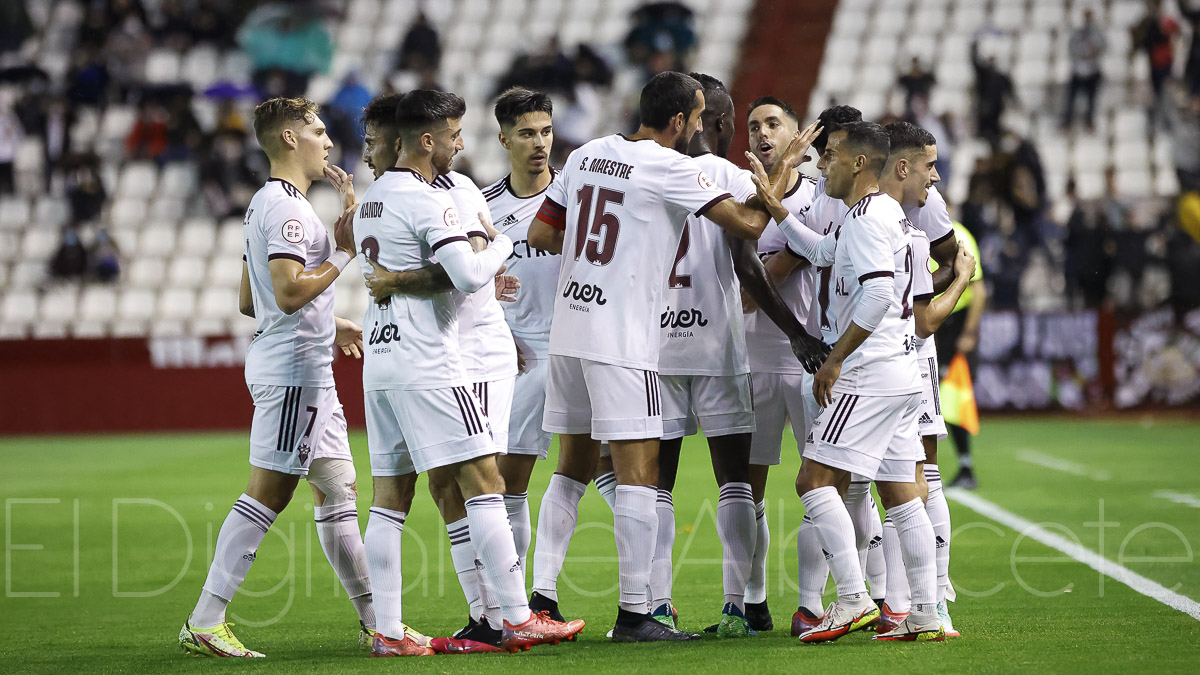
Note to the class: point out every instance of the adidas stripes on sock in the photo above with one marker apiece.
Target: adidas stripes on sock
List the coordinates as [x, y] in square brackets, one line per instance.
[916, 543]
[237, 545]
[462, 555]
[738, 529]
[836, 532]
[517, 506]
[501, 571]
[813, 569]
[898, 599]
[606, 485]
[661, 568]
[939, 517]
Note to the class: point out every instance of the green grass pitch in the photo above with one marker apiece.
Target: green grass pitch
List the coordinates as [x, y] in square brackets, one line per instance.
[108, 541]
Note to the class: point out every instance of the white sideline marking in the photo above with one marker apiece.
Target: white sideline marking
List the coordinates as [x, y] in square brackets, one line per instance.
[1108, 568]
[1179, 498]
[1059, 464]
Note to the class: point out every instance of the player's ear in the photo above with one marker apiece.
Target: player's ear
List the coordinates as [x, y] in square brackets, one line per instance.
[397, 146]
[427, 142]
[503, 140]
[288, 135]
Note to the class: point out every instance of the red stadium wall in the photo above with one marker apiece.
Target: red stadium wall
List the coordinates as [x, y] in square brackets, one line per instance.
[75, 386]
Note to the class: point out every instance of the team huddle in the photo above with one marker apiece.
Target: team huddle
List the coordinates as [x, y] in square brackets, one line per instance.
[647, 290]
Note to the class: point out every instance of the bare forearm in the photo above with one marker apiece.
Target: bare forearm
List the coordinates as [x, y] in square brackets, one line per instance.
[940, 307]
[758, 284]
[423, 281]
[942, 278]
[854, 336]
[305, 287]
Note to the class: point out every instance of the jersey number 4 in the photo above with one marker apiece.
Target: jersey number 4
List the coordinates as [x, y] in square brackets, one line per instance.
[597, 230]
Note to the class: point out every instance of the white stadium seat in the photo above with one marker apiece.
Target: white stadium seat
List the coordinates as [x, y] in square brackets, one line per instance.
[138, 179]
[197, 236]
[176, 303]
[19, 307]
[178, 180]
[98, 303]
[40, 242]
[28, 274]
[147, 273]
[157, 241]
[51, 212]
[14, 213]
[230, 240]
[128, 214]
[58, 305]
[1134, 183]
[187, 271]
[162, 66]
[135, 304]
[217, 303]
[199, 67]
[225, 271]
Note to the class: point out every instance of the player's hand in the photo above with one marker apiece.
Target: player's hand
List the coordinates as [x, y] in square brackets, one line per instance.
[522, 366]
[343, 230]
[348, 337]
[823, 381]
[486, 222]
[797, 150]
[379, 281]
[766, 193]
[506, 285]
[809, 351]
[342, 182]
[964, 263]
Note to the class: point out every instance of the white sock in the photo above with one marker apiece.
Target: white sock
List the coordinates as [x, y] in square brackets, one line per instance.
[814, 568]
[556, 524]
[382, 544]
[939, 516]
[868, 530]
[337, 528]
[737, 527]
[492, 536]
[517, 506]
[661, 568]
[606, 484]
[237, 545]
[756, 587]
[636, 525]
[836, 532]
[898, 598]
[916, 543]
[462, 555]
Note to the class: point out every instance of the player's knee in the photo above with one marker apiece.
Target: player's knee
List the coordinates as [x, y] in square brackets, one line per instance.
[335, 479]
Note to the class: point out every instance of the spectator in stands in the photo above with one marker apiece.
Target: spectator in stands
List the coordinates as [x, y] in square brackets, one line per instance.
[183, 133]
[341, 115]
[148, 138]
[127, 43]
[174, 27]
[662, 37]
[1089, 252]
[917, 83]
[1156, 34]
[421, 49]
[1183, 114]
[1191, 71]
[88, 79]
[993, 92]
[227, 176]
[84, 187]
[15, 26]
[546, 70]
[49, 116]
[70, 260]
[1085, 47]
[10, 141]
[288, 45]
[105, 258]
[1021, 186]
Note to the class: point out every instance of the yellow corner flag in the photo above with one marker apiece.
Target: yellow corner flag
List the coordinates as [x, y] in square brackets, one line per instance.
[958, 396]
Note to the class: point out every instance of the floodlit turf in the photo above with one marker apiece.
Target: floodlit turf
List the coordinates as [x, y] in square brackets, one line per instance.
[108, 541]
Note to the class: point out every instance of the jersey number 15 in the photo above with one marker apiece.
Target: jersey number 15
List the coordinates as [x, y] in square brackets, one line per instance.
[597, 240]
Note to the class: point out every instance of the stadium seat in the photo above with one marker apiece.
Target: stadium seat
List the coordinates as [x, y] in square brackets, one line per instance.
[82, 329]
[225, 270]
[135, 304]
[165, 210]
[187, 271]
[1166, 184]
[40, 242]
[1048, 14]
[147, 273]
[1125, 13]
[138, 179]
[156, 241]
[28, 274]
[217, 302]
[10, 248]
[178, 180]
[230, 242]
[1089, 154]
[1089, 183]
[167, 327]
[51, 212]
[127, 214]
[19, 307]
[954, 74]
[58, 305]
[968, 17]
[1134, 182]
[200, 66]
[14, 213]
[1008, 16]
[98, 303]
[176, 303]
[162, 66]
[197, 237]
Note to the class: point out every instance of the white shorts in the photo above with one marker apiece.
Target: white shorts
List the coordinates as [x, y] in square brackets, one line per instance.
[930, 421]
[872, 436]
[612, 403]
[525, 433]
[292, 426]
[777, 398]
[496, 400]
[722, 404]
[415, 430]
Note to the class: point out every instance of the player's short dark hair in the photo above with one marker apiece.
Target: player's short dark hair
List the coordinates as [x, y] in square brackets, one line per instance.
[420, 109]
[771, 100]
[829, 120]
[666, 95]
[906, 136]
[273, 114]
[381, 111]
[709, 83]
[518, 101]
[870, 139]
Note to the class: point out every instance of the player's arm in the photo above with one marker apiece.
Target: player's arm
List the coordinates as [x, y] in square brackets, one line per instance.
[294, 287]
[384, 283]
[468, 270]
[245, 295]
[744, 221]
[931, 312]
[970, 334]
[757, 283]
[348, 337]
[548, 227]
[817, 249]
[945, 253]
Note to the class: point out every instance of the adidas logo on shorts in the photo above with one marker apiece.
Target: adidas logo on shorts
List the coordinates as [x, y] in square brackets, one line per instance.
[925, 419]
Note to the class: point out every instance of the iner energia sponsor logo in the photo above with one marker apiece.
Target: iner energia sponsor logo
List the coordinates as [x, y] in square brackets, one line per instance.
[583, 293]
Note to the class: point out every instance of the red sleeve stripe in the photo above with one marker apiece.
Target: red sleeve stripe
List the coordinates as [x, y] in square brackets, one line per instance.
[923, 297]
[447, 240]
[944, 237]
[699, 213]
[553, 213]
[288, 256]
[875, 275]
[477, 233]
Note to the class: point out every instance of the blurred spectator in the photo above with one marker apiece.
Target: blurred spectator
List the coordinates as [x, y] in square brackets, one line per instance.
[227, 177]
[942, 128]
[84, 187]
[70, 259]
[88, 79]
[10, 141]
[128, 42]
[15, 26]
[421, 49]
[229, 116]
[1089, 252]
[174, 28]
[546, 70]
[1021, 186]
[288, 45]
[1183, 114]
[1085, 47]
[993, 92]
[341, 115]
[1156, 34]
[1191, 71]
[148, 138]
[105, 257]
[49, 116]
[662, 37]
[916, 83]
[183, 133]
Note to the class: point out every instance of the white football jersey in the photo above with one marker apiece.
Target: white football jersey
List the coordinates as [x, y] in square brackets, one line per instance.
[622, 205]
[922, 288]
[825, 215]
[702, 327]
[529, 316]
[875, 241]
[411, 341]
[933, 219]
[487, 346]
[289, 350]
[770, 349]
